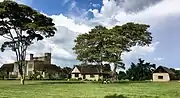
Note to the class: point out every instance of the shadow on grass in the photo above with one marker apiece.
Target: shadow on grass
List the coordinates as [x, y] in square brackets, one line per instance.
[133, 82]
[57, 82]
[81, 82]
[63, 82]
[115, 96]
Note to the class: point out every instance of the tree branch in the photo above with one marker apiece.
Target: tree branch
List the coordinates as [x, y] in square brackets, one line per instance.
[7, 37]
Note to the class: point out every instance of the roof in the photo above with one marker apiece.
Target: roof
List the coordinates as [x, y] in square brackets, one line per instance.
[47, 67]
[89, 69]
[7, 67]
[85, 69]
[165, 69]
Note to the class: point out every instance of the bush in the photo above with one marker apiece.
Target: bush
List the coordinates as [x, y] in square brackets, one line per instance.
[79, 78]
[86, 80]
[100, 80]
[35, 76]
[73, 80]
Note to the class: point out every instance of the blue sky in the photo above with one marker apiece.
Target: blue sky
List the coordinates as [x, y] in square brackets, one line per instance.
[53, 7]
[73, 17]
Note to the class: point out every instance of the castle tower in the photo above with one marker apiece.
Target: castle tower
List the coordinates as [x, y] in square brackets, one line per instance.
[48, 58]
[31, 56]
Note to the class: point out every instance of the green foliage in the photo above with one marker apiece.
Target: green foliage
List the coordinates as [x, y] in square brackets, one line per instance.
[3, 75]
[50, 75]
[107, 45]
[21, 25]
[66, 72]
[106, 68]
[140, 71]
[79, 78]
[35, 76]
[177, 74]
[122, 75]
[28, 24]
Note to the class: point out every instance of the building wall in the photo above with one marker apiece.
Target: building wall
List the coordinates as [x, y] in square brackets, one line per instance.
[75, 70]
[96, 77]
[47, 58]
[30, 67]
[40, 58]
[15, 70]
[73, 76]
[156, 77]
[87, 76]
[30, 64]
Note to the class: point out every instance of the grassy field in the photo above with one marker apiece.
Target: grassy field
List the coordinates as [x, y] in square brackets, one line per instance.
[56, 89]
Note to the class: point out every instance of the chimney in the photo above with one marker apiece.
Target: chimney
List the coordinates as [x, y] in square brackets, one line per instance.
[31, 56]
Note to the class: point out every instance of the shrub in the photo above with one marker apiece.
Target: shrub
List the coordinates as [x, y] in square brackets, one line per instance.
[79, 78]
[35, 76]
[13, 76]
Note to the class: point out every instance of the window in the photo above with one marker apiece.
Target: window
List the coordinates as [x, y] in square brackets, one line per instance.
[76, 75]
[30, 65]
[160, 77]
[92, 76]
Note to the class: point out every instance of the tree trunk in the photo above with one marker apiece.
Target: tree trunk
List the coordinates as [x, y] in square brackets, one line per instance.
[114, 77]
[22, 76]
[22, 80]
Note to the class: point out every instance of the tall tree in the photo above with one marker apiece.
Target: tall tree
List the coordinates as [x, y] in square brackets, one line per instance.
[141, 71]
[89, 47]
[122, 75]
[66, 72]
[21, 25]
[177, 74]
[107, 45]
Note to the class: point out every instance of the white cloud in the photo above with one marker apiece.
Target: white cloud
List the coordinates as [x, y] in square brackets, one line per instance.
[60, 46]
[111, 11]
[177, 68]
[61, 20]
[138, 51]
[28, 2]
[111, 14]
[95, 5]
[158, 59]
[7, 57]
[65, 1]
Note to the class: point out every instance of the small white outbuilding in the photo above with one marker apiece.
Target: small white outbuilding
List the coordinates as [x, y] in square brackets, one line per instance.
[163, 74]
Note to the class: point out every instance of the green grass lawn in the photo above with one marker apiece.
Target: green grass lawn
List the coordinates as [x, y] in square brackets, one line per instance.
[56, 89]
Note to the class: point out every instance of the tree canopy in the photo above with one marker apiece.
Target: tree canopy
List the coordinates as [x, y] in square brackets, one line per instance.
[107, 45]
[141, 71]
[122, 75]
[20, 25]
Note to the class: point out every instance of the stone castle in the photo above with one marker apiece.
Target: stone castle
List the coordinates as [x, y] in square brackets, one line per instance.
[41, 64]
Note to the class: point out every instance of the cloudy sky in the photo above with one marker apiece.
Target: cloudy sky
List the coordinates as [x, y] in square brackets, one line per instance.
[73, 17]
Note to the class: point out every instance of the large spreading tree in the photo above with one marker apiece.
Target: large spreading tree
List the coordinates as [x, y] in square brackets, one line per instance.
[107, 45]
[21, 25]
